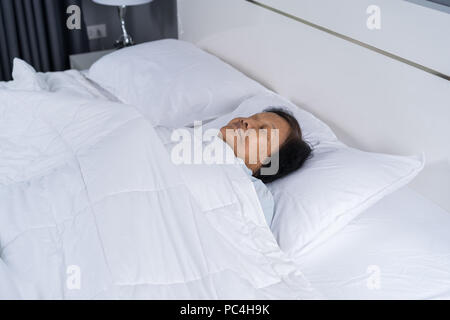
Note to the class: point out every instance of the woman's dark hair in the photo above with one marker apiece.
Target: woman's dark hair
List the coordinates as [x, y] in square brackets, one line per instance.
[293, 152]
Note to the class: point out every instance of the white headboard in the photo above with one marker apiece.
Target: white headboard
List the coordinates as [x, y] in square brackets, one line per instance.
[372, 101]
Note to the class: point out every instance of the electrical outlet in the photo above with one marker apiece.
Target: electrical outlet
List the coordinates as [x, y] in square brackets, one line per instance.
[97, 31]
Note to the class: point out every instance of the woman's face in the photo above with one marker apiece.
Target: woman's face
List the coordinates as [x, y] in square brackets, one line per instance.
[255, 138]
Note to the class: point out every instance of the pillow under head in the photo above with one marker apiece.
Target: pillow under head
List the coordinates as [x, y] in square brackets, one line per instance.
[332, 188]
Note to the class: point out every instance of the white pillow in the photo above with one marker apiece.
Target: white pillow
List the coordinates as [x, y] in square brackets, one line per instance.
[24, 78]
[333, 187]
[173, 83]
[314, 130]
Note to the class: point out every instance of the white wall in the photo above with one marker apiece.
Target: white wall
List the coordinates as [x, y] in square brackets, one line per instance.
[411, 31]
[371, 101]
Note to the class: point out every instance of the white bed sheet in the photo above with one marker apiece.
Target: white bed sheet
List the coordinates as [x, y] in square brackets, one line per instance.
[398, 249]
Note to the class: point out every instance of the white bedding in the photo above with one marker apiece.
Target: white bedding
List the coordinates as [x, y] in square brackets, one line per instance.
[75, 83]
[398, 249]
[65, 208]
[87, 189]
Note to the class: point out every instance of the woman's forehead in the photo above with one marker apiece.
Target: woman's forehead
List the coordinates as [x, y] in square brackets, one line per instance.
[264, 116]
[271, 117]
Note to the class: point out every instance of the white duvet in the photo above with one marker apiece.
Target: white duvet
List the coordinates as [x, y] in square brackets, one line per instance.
[92, 207]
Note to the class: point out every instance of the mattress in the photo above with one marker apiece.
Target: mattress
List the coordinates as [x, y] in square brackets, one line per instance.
[398, 249]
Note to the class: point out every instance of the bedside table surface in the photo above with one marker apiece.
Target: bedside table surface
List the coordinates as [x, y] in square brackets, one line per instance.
[84, 61]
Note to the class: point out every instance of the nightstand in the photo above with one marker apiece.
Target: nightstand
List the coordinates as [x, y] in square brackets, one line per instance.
[84, 61]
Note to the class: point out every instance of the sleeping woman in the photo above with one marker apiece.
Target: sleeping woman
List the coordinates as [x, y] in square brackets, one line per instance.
[271, 146]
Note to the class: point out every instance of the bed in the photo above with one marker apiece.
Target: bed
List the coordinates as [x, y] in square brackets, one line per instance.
[396, 249]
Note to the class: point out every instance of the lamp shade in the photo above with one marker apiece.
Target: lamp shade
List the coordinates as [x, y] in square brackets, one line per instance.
[122, 2]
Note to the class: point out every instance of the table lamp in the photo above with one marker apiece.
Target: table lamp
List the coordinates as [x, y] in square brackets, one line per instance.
[125, 39]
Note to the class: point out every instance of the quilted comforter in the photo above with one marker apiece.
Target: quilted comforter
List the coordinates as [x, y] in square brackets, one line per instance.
[92, 207]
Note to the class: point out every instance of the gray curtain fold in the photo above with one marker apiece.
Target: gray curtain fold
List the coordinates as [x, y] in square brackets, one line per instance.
[36, 31]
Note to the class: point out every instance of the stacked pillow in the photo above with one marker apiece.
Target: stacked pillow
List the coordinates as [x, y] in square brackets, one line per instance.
[172, 82]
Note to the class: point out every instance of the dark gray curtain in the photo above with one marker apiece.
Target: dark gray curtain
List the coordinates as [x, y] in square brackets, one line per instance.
[36, 31]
